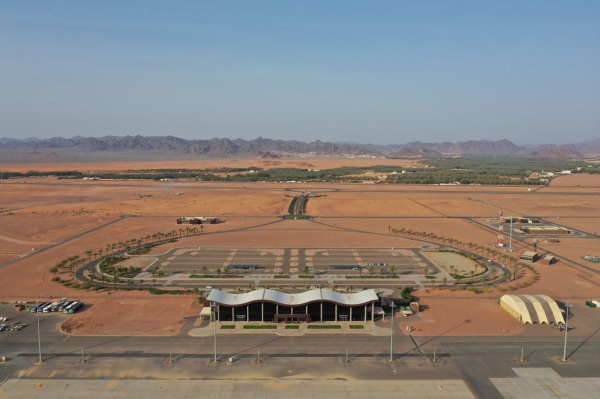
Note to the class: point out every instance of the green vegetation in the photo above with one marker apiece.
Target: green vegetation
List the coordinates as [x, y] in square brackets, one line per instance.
[324, 327]
[469, 169]
[228, 327]
[406, 296]
[261, 327]
[292, 327]
[356, 327]
[505, 170]
[107, 266]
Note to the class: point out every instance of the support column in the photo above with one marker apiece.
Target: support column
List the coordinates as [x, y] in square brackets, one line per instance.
[365, 319]
[350, 314]
[373, 311]
[262, 312]
[218, 312]
[306, 309]
[232, 313]
[335, 313]
[276, 309]
[321, 312]
[247, 313]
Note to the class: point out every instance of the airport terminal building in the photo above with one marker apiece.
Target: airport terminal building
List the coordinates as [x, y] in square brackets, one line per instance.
[316, 305]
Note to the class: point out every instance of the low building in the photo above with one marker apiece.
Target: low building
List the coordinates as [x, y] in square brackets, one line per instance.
[547, 260]
[545, 230]
[274, 306]
[528, 256]
[197, 220]
[532, 309]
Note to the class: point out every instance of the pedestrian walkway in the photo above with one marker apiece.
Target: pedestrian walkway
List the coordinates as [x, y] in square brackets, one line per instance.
[234, 389]
[303, 328]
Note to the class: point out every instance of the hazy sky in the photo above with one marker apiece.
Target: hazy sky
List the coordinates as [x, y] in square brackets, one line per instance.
[378, 72]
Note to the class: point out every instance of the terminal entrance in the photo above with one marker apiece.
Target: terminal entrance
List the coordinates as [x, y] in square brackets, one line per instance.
[292, 318]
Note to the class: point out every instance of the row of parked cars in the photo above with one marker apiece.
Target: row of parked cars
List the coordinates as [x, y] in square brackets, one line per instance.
[375, 264]
[16, 326]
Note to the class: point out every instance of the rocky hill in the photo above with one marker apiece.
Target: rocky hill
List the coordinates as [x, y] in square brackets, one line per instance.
[409, 152]
[224, 147]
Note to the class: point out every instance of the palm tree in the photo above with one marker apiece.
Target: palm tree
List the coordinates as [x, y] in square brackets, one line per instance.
[142, 282]
[103, 278]
[382, 272]
[226, 270]
[392, 269]
[92, 278]
[425, 270]
[89, 255]
[515, 270]
[115, 280]
[180, 231]
[154, 282]
[204, 270]
[113, 246]
[389, 229]
[219, 272]
[445, 279]
[371, 270]
[433, 280]
[306, 269]
[472, 273]
[201, 229]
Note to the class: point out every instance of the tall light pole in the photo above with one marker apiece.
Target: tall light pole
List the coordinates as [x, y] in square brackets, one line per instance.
[393, 305]
[568, 305]
[37, 312]
[214, 314]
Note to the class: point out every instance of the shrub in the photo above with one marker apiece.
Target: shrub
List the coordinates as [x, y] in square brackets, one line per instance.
[325, 327]
[56, 279]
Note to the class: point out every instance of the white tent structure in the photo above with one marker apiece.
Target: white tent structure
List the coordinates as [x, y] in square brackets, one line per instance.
[532, 309]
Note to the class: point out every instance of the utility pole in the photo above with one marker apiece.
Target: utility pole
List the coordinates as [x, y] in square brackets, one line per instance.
[37, 312]
[214, 314]
[568, 305]
[392, 333]
[510, 235]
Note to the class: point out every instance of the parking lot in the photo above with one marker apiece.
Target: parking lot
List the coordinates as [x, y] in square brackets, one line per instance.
[208, 260]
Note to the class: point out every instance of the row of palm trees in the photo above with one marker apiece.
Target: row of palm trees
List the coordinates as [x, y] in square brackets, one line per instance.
[109, 250]
[479, 249]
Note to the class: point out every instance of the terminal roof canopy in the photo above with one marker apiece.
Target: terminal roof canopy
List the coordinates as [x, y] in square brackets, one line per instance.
[302, 298]
[533, 308]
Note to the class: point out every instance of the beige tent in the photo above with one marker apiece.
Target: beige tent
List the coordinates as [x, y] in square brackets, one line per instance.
[532, 309]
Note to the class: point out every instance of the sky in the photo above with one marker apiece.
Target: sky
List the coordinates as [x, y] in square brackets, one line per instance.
[344, 71]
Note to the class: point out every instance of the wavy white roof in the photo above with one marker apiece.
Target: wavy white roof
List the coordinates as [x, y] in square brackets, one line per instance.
[302, 298]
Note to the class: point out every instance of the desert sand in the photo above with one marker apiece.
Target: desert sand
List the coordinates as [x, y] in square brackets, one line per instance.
[46, 211]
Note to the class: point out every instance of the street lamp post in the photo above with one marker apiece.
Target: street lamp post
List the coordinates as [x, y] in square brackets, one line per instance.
[214, 314]
[392, 306]
[37, 312]
[568, 305]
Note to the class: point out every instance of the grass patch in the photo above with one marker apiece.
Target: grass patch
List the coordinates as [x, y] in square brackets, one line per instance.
[325, 327]
[356, 327]
[260, 327]
[228, 327]
[292, 327]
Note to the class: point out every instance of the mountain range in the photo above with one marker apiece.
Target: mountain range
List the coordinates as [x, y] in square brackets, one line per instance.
[224, 147]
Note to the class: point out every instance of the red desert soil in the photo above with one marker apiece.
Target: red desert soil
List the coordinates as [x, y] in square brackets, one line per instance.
[450, 317]
[160, 316]
[321, 163]
[579, 179]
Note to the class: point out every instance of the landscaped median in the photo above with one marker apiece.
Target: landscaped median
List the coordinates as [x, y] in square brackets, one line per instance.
[324, 327]
[260, 327]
